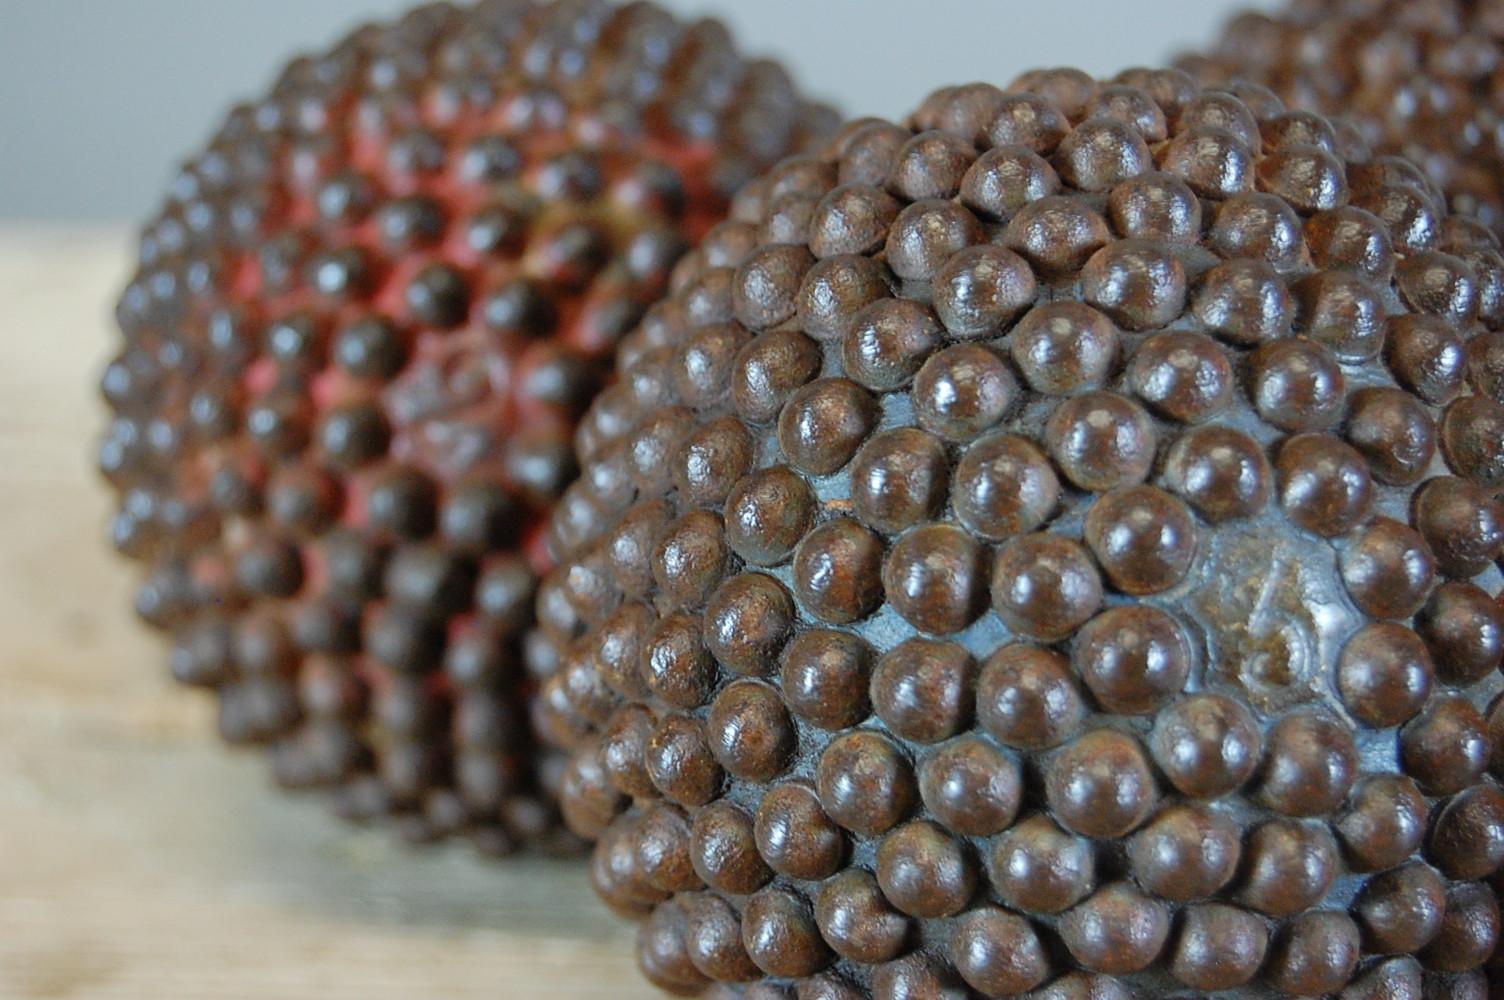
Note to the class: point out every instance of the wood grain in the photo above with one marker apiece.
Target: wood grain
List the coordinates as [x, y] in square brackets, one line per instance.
[138, 857]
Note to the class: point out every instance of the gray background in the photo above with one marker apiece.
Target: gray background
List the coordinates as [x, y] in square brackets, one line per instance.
[98, 98]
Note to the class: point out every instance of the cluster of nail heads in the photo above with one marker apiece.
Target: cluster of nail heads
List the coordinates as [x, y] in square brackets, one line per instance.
[1423, 79]
[362, 331]
[1049, 548]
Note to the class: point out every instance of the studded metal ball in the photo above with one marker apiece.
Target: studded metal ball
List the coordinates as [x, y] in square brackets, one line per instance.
[1063, 565]
[363, 329]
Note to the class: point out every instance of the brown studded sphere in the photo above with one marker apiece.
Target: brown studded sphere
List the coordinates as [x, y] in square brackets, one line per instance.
[1064, 569]
[363, 329]
[1420, 79]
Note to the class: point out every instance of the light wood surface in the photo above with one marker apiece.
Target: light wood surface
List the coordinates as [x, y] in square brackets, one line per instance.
[138, 857]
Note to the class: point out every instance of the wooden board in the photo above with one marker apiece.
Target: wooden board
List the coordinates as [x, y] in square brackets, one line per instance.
[138, 857]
